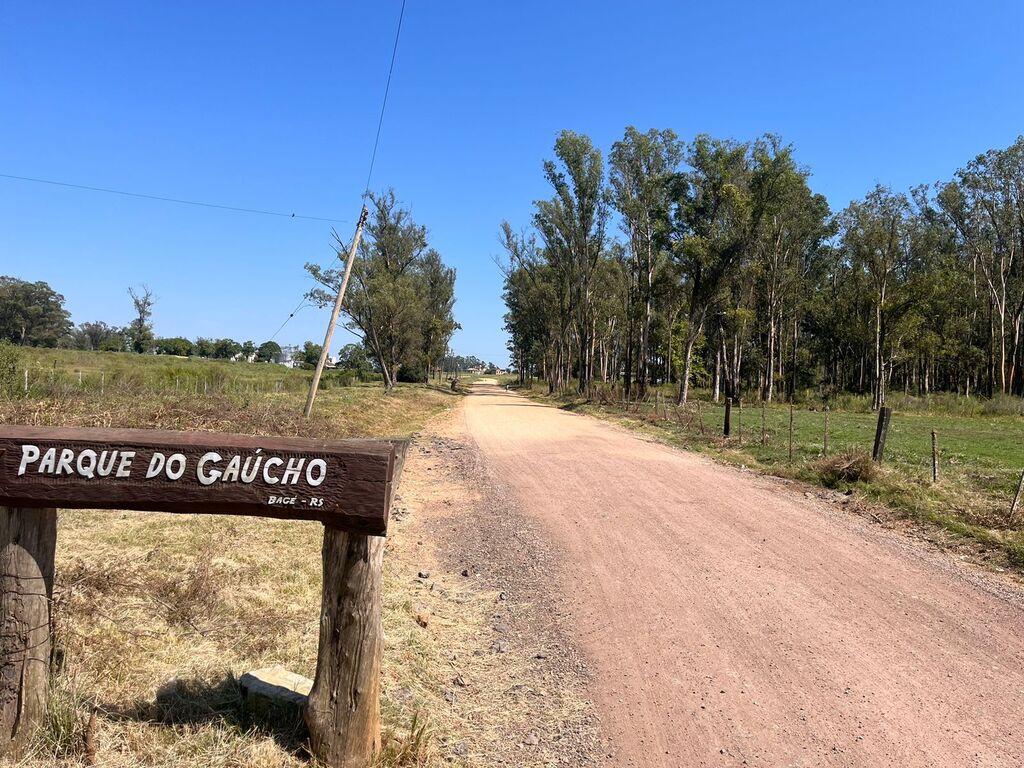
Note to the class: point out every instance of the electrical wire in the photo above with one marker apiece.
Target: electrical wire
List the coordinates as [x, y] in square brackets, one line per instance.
[384, 104]
[170, 199]
[290, 316]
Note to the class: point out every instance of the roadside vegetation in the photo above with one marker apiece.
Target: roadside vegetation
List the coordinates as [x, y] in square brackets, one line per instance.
[980, 452]
[157, 615]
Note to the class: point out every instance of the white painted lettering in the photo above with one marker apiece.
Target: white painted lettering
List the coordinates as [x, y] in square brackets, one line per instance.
[124, 467]
[267, 477]
[104, 466]
[29, 454]
[176, 466]
[86, 463]
[211, 477]
[321, 472]
[49, 462]
[231, 471]
[156, 465]
[293, 471]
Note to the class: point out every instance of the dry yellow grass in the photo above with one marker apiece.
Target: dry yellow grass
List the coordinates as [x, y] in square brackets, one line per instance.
[156, 615]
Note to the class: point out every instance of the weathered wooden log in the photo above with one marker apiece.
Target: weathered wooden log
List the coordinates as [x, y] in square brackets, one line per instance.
[343, 716]
[28, 541]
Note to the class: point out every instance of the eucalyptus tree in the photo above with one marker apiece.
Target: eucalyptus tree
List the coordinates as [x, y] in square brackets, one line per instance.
[877, 236]
[643, 168]
[712, 229]
[792, 223]
[437, 292]
[985, 202]
[399, 294]
[572, 226]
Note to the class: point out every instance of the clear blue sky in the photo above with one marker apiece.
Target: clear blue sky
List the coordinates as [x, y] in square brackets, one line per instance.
[274, 106]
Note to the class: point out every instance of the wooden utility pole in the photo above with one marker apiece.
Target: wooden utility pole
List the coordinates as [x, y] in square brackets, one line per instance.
[315, 384]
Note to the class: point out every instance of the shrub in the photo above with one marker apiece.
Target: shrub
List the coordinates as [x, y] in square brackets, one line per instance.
[10, 365]
[850, 467]
[343, 378]
[411, 374]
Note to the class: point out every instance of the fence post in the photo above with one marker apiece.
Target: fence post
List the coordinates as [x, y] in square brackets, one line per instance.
[103, 382]
[824, 451]
[1016, 498]
[935, 456]
[764, 424]
[26, 381]
[28, 541]
[881, 431]
[791, 430]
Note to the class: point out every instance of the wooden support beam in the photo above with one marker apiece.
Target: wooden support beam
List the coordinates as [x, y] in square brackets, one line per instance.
[343, 716]
[28, 542]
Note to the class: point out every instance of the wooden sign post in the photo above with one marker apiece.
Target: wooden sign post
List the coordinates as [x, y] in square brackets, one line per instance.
[347, 485]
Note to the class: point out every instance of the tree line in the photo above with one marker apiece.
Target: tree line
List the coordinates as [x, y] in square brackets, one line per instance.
[400, 303]
[713, 262]
[33, 314]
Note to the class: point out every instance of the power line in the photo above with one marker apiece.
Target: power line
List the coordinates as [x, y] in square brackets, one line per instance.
[384, 104]
[170, 199]
[293, 313]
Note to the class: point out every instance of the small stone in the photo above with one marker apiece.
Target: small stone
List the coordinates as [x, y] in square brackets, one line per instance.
[532, 739]
[424, 574]
[465, 571]
[460, 681]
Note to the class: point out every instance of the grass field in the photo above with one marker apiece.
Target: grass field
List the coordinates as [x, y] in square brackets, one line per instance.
[981, 452]
[63, 373]
[156, 615]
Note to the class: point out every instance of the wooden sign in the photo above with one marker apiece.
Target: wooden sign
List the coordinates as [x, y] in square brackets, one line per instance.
[345, 484]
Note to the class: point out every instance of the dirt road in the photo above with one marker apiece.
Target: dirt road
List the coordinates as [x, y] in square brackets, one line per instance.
[730, 621]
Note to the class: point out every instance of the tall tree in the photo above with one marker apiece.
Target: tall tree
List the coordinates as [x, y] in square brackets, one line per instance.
[642, 171]
[712, 230]
[985, 202]
[388, 302]
[572, 227]
[140, 330]
[32, 314]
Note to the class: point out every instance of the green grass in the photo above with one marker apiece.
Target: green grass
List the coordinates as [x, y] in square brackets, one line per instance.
[61, 372]
[981, 451]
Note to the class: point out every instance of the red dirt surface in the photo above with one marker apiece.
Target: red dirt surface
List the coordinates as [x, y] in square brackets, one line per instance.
[732, 621]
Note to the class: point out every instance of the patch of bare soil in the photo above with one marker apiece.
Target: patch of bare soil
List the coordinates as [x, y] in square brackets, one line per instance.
[484, 592]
